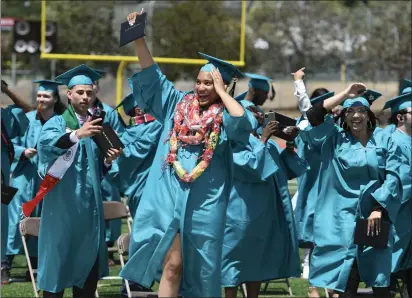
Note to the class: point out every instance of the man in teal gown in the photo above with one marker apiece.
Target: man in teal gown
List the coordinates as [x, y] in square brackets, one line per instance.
[399, 129]
[72, 248]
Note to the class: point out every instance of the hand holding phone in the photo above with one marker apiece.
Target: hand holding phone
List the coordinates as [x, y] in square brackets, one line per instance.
[270, 116]
[98, 113]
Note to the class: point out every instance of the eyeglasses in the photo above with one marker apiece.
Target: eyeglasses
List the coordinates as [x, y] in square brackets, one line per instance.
[351, 111]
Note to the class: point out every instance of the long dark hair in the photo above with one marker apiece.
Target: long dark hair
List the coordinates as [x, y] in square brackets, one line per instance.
[59, 106]
[372, 118]
[318, 92]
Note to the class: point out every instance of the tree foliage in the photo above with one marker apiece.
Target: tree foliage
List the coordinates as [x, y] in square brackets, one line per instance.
[388, 40]
[370, 39]
[189, 27]
[84, 27]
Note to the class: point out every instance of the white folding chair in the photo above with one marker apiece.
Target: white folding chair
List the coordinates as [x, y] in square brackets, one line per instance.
[30, 226]
[114, 210]
[123, 249]
[243, 290]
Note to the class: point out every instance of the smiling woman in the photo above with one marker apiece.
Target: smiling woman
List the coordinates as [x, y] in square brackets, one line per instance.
[178, 232]
[205, 89]
[360, 180]
[357, 117]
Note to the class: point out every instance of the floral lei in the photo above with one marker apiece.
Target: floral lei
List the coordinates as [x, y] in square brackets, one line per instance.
[187, 120]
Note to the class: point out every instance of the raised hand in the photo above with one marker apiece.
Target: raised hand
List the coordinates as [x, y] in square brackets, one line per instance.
[131, 18]
[4, 86]
[292, 131]
[355, 90]
[218, 81]
[89, 129]
[270, 129]
[299, 75]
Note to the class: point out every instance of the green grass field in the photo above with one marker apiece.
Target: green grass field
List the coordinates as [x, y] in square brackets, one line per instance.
[112, 288]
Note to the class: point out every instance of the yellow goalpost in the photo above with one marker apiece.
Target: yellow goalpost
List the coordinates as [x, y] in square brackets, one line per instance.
[124, 60]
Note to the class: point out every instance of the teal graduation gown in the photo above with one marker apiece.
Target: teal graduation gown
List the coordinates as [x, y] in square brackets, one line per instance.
[110, 192]
[402, 247]
[72, 221]
[27, 181]
[260, 240]
[140, 143]
[15, 123]
[354, 180]
[307, 193]
[168, 205]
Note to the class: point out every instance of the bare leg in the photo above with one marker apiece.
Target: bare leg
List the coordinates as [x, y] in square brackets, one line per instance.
[253, 289]
[313, 292]
[172, 270]
[231, 292]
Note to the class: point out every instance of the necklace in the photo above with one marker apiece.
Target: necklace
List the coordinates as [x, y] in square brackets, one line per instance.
[192, 129]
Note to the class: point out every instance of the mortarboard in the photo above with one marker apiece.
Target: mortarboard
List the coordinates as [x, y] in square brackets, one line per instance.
[406, 84]
[99, 71]
[259, 82]
[227, 70]
[365, 100]
[321, 98]
[241, 96]
[400, 102]
[128, 103]
[79, 75]
[48, 85]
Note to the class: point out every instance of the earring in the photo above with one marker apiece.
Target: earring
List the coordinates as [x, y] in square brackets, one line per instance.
[345, 126]
[370, 126]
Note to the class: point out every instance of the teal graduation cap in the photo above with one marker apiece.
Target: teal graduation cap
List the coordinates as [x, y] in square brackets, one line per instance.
[259, 82]
[128, 103]
[365, 100]
[79, 75]
[241, 96]
[227, 70]
[99, 71]
[406, 84]
[48, 85]
[400, 102]
[321, 98]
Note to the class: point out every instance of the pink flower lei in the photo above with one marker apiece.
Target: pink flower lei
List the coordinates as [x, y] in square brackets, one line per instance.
[192, 129]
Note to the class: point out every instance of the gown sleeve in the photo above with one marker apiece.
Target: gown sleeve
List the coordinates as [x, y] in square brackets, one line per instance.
[155, 94]
[253, 162]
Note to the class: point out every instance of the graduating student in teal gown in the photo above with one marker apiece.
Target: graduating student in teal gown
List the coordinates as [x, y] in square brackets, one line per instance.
[140, 139]
[260, 236]
[308, 182]
[400, 130]
[13, 124]
[110, 191]
[178, 230]
[360, 179]
[25, 163]
[72, 249]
